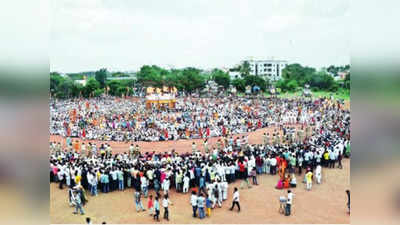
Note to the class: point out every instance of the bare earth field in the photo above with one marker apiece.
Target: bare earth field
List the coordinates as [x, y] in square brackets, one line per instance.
[326, 203]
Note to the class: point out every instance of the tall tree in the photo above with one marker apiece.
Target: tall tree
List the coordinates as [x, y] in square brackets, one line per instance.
[150, 75]
[91, 86]
[220, 77]
[239, 84]
[55, 80]
[101, 77]
[297, 72]
[245, 69]
[253, 80]
[191, 79]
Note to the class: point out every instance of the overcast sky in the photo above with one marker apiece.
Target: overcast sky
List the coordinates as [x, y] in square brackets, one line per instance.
[126, 34]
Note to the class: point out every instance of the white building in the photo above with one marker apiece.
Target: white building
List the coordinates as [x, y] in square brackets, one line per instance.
[81, 82]
[271, 69]
[234, 74]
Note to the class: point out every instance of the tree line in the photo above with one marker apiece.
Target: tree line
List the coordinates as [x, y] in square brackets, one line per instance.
[192, 79]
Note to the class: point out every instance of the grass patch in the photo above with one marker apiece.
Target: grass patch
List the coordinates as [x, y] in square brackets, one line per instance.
[340, 94]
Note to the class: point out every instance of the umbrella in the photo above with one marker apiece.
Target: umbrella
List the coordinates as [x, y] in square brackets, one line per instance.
[256, 88]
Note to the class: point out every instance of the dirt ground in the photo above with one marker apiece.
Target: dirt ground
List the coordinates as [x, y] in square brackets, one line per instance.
[326, 203]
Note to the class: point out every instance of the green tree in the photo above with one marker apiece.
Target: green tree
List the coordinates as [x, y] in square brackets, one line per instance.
[347, 81]
[172, 79]
[191, 79]
[77, 90]
[292, 85]
[323, 81]
[245, 69]
[55, 80]
[281, 84]
[91, 86]
[113, 85]
[119, 74]
[239, 84]
[253, 80]
[98, 92]
[101, 77]
[65, 88]
[301, 74]
[221, 78]
[120, 91]
[151, 75]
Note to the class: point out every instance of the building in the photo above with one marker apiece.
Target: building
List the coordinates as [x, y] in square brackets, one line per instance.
[81, 82]
[271, 69]
[342, 75]
[234, 74]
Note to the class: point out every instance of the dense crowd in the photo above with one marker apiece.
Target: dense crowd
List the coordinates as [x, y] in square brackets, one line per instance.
[114, 119]
[321, 143]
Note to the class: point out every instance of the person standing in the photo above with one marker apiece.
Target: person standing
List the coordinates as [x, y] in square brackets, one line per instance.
[150, 205]
[289, 203]
[273, 163]
[309, 175]
[265, 139]
[318, 173]
[138, 202]
[348, 200]
[93, 184]
[78, 204]
[208, 205]
[120, 176]
[88, 221]
[186, 181]
[193, 202]
[235, 200]
[114, 180]
[254, 176]
[144, 185]
[131, 151]
[205, 144]
[165, 203]
[339, 159]
[332, 159]
[165, 185]
[156, 209]
[194, 148]
[200, 205]
[61, 178]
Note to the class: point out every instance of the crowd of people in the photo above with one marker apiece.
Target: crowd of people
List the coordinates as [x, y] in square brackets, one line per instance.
[308, 136]
[115, 119]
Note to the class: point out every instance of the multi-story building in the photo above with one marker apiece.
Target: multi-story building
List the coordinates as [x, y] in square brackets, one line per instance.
[271, 69]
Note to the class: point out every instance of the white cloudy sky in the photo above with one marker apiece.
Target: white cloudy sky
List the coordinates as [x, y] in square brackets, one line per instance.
[126, 34]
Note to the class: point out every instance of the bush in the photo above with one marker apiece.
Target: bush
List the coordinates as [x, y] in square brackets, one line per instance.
[98, 92]
[292, 85]
[334, 87]
[314, 89]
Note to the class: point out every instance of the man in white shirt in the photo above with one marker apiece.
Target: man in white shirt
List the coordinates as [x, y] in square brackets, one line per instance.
[224, 186]
[289, 203]
[193, 202]
[186, 181]
[332, 158]
[273, 163]
[318, 173]
[235, 200]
